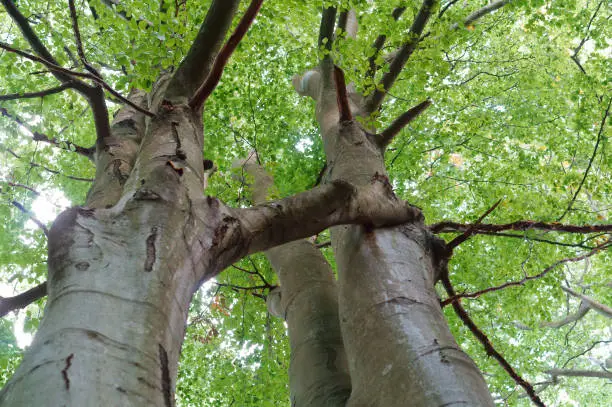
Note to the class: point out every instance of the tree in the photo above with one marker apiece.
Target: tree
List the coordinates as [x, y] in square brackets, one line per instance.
[123, 268]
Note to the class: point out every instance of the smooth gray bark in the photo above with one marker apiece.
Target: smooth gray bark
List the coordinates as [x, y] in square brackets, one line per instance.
[307, 299]
[399, 347]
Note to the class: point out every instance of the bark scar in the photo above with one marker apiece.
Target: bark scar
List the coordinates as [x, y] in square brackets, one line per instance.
[165, 376]
[65, 371]
[150, 260]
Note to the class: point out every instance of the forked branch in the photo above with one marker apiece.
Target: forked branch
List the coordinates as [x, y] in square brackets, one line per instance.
[211, 82]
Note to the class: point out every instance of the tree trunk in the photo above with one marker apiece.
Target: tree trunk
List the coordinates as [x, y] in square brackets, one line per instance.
[398, 344]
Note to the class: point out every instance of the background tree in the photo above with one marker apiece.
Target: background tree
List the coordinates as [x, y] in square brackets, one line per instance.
[519, 116]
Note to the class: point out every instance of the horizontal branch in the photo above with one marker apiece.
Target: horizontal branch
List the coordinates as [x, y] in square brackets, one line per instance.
[213, 78]
[36, 165]
[8, 304]
[489, 8]
[37, 136]
[453, 227]
[305, 214]
[89, 92]
[39, 94]
[602, 374]
[525, 279]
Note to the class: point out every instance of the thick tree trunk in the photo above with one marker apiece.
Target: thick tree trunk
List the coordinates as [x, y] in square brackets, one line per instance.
[399, 347]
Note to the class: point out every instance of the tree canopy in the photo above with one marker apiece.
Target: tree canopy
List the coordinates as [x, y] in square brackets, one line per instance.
[517, 130]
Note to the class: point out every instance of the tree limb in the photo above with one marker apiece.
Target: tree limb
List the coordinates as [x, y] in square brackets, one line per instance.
[195, 67]
[602, 374]
[326, 39]
[302, 215]
[489, 8]
[450, 227]
[8, 304]
[212, 80]
[31, 216]
[583, 309]
[387, 135]
[596, 306]
[379, 43]
[374, 101]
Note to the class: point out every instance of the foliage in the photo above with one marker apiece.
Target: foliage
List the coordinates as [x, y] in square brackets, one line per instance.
[514, 117]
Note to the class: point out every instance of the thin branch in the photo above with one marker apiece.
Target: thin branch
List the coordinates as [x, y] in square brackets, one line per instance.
[31, 216]
[37, 136]
[586, 172]
[8, 304]
[577, 50]
[77, 39]
[387, 135]
[39, 94]
[583, 309]
[453, 299]
[224, 55]
[32, 190]
[489, 8]
[35, 165]
[68, 72]
[594, 305]
[469, 232]
[375, 100]
[486, 343]
[450, 227]
[342, 96]
[601, 374]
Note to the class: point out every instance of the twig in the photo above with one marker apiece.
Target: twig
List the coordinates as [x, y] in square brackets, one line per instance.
[77, 39]
[586, 172]
[211, 82]
[8, 304]
[577, 50]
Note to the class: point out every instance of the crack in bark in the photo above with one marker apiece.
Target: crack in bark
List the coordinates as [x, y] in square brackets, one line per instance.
[165, 376]
[65, 371]
[150, 260]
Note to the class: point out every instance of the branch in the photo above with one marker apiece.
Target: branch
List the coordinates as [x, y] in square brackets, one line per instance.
[305, 214]
[387, 135]
[596, 306]
[36, 136]
[603, 374]
[522, 281]
[583, 309]
[33, 164]
[39, 94]
[8, 304]
[486, 343]
[375, 100]
[31, 216]
[326, 35]
[89, 91]
[466, 235]
[586, 172]
[577, 50]
[342, 96]
[379, 43]
[489, 8]
[195, 67]
[224, 55]
[77, 39]
[450, 227]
